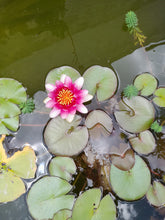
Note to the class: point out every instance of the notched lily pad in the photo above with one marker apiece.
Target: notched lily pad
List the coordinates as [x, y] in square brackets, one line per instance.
[64, 214]
[156, 194]
[88, 206]
[124, 162]
[43, 204]
[146, 84]
[64, 138]
[62, 167]
[144, 143]
[135, 115]
[56, 73]
[100, 80]
[99, 117]
[160, 97]
[133, 184]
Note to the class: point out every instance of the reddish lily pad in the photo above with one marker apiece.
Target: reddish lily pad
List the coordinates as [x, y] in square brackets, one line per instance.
[144, 143]
[135, 114]
[99, 117]
[156, 194]
[146, 83]
[133, 184]
[64, 138]
[100, 80]
[160, 97]
[56, 73]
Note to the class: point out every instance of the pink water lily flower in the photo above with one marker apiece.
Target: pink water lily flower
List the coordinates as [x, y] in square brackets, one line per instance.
[66, 97]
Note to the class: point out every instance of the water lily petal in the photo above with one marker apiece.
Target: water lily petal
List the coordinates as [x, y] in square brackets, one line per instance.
[46, 100]
[81, 108]
[64, 114]
[62, 79]
[79, 82]
[50, 87]
[54, 113]
[58, 83]
[70, 118]
[68, 81]
[50, 103]
[87, 98]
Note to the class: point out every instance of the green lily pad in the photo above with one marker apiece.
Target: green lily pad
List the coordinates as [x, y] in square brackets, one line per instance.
[160, 99]
[99, 117]
[11, 90]
[8, 109]
[62, 167]
[47, 196]
[63, 214]
[89, 207]
[144, 143]
[156, 194]
[124, 162]
[133, 184]
[146, 84]
[64, 138]
[10, 123]
[11, 187]
[100, 80]
[135, 115]
[56, 73]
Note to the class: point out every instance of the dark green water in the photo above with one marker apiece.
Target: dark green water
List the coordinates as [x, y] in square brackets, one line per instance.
[36, 36]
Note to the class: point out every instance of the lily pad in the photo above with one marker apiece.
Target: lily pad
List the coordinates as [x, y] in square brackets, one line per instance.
[100, 80]
[133, 184]
[64, 214]
[43, 204]
[89, 207]
[10, 123]
[156, 194]
[56, 73]
[144, 143]
[64, 138]
[124, 162]
[99, 117]
[135, 115]
[146, 84]
[62, 167]
[11, 90]
[160, 97]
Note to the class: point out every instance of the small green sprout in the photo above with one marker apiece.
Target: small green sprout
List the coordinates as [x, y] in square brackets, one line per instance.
[130, 91]
[131, 21]
[156, 127]
[28, 106]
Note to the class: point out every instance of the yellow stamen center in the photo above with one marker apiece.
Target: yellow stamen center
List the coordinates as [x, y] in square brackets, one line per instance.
[65, 97]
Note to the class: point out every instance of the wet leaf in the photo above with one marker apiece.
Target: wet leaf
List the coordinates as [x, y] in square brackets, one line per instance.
[100, 80]
[12, 90]
[43, 204]
[156, 194]
[133, 184]
[99, 117]
[11, 187]
[144, 143]
[10, 123]
[135, 114]
[64, 138]
[56, 73]
[124, 162]
[146, 84]
[62, 167]
[8, 109]
[89, 207]
[63, 214]
[160, 97]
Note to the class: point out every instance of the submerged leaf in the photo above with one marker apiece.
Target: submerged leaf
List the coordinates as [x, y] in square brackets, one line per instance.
[133, 184]
[146, 83]
[156, 194]
[64, 138]
[160, 97]
[89, 207]
[43, 204]
[100, 80]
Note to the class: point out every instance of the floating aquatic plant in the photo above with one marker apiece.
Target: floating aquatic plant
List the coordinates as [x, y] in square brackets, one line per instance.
[66, 97]
[156, 127]
[130, 91]
[160, 97]
[28, 106]
[21, 165]
[131, 21]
